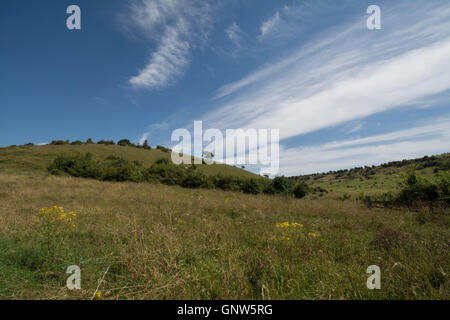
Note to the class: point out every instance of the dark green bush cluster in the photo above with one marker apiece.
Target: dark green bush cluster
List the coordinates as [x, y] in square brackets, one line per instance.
[123, 142]
[164, 149]
[59, 142]
[163, 171]
[146, 145]
[417, 189]
[106, 142]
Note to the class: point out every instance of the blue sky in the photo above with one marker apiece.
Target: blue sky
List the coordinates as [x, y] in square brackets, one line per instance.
[341, 95]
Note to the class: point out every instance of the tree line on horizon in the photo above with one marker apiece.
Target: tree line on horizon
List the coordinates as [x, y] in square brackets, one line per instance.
[122, 142]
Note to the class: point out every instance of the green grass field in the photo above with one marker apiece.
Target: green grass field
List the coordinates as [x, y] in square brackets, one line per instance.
[151, 241]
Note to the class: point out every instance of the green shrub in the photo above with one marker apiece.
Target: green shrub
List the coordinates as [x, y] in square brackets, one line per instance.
[443, 183]
[252, 186]
[59, 142]
[162, 171]
[163, 149]
[146, 145]
[122, 170]
[125, 143]
[300, 190]
[106, 142]
[165, 173]
[162, 161]
[281, 184]
[415, 188]
[226, 183]
[197, 180]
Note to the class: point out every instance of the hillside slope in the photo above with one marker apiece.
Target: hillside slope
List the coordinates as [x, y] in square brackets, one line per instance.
[36, 159]
[153, 241]
[373, 180]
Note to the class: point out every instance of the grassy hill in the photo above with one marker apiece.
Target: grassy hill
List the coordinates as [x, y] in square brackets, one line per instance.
[152, 241]
[371, 181]
[36, 159]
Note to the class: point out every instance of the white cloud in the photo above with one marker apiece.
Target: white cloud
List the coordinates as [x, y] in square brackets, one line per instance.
[143, 138]
[153, 133]
[235, 34]
[432, 138]
[176, 27]
[269, 25]
[345, 74]
[167, 63]
[356, 128]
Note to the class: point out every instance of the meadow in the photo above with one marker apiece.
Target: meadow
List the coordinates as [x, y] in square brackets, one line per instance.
[153, 241]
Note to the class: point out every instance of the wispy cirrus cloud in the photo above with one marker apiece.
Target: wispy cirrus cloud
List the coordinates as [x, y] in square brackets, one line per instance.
[355, 128]
[153, 133]
[430, 138]
[269, 25]
[235, 35]
[345, 74]
[176, 27]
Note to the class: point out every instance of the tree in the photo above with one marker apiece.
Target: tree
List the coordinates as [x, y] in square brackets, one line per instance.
[124, 143]
[106, 142]
[146, 146]
[281, 184]
[300, 190]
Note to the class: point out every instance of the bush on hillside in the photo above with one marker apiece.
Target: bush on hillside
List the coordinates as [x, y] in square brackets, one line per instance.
[59, 142]
[282, 184]
[125, 143]
[106, 142]
[163, 149]
[226, 183]
[443, 182]
[300, 190]
[415, 188]
[162, 161]
[194, 179]
[146, 145]
[252, 186]
[114, 168]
